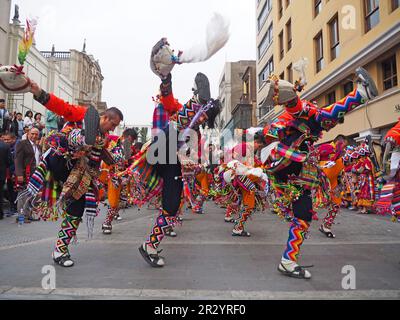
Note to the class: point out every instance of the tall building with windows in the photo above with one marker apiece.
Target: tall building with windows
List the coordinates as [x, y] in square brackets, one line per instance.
[238, 96]
[336, 37]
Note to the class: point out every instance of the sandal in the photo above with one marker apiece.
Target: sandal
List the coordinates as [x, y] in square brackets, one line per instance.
[153, 260]
[64, 260]
[170, 233]
[329, 234]
[229, 220]
[202, 89]
[298, 272]
[107, 229]
[240, 234]
[91, 122]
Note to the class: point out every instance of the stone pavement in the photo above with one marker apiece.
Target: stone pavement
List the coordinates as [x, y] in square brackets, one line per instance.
[204, 261]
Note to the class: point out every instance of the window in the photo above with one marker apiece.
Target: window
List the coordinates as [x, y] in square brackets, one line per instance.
[395, 4]
[282, 76]
[319, 52]
[389, 73]
[265, 42]
[371, 8]
[289, 34]
[348, 87]
[264, 14]
[334, 37]
[266, 72]
[317, 7]
[331, 98]
[281, 47]
[289, 71]
[280, 9]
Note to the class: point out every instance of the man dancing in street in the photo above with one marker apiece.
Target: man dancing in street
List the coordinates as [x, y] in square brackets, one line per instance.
[291, 166]
[66, 176]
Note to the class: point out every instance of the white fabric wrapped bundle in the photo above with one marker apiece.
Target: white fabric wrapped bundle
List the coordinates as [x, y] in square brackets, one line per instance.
[13, 80]
[228, 176]
[162, 59]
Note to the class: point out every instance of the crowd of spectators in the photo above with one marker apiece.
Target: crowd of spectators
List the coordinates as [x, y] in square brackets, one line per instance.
[21, 141]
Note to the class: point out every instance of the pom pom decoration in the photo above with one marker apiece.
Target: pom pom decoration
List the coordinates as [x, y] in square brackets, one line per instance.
[13, 80]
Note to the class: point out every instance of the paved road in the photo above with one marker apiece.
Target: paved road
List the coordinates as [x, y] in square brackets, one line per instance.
[204, 261]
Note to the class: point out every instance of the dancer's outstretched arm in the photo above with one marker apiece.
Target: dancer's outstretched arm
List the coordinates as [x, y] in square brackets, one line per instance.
[336, 111]
[70, 112]
[393, 135]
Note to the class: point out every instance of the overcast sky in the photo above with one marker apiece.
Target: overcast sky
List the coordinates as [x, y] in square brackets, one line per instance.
[121, 33]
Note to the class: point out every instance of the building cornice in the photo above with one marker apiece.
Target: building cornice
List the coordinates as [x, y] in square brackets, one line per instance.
[372, 51]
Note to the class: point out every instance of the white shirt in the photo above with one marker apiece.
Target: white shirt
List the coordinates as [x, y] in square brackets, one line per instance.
[37, 153]
[28, 122]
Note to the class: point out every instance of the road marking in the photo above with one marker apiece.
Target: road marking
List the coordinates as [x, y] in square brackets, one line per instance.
[29, 243]
[200, 243]
[189, 294]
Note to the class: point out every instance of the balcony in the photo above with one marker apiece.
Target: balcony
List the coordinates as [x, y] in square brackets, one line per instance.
[60, 55]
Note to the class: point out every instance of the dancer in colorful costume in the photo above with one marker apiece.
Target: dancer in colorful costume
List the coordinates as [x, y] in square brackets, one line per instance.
[365, 171]
[201, 187]
[291, 167]
[66, 176]
[247, 178]
[389, 200]
[157, 168]
[332, 166]
[349, 178]
[116, 184]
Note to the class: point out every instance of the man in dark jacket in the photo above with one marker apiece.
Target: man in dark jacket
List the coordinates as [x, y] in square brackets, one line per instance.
[5, 156]
[4, 116]
[27, 156]
[10, 139]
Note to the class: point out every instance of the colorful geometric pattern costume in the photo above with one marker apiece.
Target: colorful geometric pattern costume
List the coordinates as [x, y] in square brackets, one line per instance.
[389, 200]
[66, 177]
[332, 166]
[290, 165]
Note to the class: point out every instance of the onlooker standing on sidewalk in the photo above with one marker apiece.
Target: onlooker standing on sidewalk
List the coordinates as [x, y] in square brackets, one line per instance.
[51, 122]
[27, 157]
[28, 120]
[18, 126]
[4, 116]
[10, 139]
[26, 132]
[5, 162]
[37, 123]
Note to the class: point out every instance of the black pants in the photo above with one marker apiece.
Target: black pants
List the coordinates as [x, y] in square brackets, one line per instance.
[1, 196]
[58, 166]
[12, 195]
[173, 186]
[302, 207]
